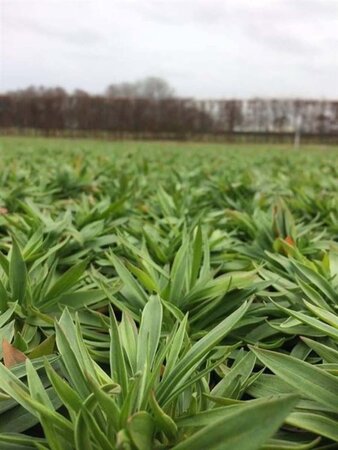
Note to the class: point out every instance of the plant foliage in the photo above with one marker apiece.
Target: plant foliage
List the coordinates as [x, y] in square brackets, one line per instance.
[165, 296]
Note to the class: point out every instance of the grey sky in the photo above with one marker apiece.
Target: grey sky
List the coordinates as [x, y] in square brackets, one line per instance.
[204, 48]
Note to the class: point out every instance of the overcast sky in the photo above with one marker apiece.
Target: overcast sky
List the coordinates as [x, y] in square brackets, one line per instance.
[203, 48]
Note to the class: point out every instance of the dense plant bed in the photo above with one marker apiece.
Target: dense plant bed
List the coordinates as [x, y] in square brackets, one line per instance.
[167, 296]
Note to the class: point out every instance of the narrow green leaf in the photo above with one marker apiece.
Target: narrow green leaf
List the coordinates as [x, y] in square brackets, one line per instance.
[179, 273]
[65, 282]
[195, 355]
[107, 403]
[45, 348]
[129, 281]
[164, 422]
[311, 381]
[315, 423]
[66, 393]
[150, 331]
[17, 274]
[326, 316]
[197, 254]
[328, 354]
[141, 428]
[248, 428]
[118, 371]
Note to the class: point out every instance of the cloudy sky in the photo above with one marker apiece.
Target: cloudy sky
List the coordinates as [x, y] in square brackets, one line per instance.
[204, 48]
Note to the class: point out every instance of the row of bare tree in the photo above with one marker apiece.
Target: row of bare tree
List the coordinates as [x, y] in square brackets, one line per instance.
[134, 109]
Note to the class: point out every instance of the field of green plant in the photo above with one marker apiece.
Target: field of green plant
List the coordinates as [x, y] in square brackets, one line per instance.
[167, 296]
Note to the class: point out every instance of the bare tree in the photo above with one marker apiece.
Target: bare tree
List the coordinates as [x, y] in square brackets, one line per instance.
[148, 106]
[122, 90]
[152, 88]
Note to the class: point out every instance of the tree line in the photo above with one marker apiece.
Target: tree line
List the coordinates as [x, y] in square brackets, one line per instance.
[150, 106]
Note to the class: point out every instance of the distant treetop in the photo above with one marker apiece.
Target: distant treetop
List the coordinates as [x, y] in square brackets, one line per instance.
[153, 88]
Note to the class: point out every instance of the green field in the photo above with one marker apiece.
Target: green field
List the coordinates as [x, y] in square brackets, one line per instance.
[159, 295]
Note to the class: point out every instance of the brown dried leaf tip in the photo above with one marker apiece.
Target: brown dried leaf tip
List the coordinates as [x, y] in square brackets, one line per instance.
[11, 355]
[289, 241]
